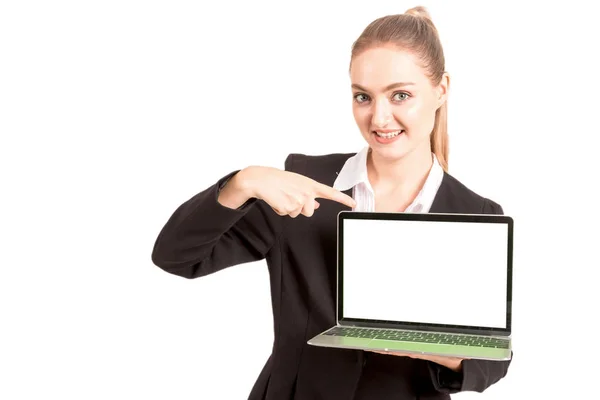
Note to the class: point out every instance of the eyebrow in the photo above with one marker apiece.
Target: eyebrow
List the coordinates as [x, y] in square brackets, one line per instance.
[388, 87]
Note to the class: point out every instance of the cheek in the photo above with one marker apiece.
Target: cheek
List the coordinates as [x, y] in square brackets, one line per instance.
[361, 116]
[419, 117]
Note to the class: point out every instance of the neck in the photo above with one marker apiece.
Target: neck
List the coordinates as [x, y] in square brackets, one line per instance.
[406, 174]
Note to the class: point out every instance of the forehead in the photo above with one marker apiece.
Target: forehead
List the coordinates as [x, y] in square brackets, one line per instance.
[378, 67]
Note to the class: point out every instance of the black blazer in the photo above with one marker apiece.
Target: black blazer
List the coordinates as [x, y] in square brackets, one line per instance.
[203, 237]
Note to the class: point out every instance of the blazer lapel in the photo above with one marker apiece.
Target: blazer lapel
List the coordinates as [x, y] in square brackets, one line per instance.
[453, 198]
[441, 200]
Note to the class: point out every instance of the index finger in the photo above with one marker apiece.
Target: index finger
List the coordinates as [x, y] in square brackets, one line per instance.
[327, 192]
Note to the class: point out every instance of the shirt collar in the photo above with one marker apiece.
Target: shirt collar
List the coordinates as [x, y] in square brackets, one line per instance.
[353, 172]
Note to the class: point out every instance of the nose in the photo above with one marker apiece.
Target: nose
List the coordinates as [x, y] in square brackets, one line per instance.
[382, 114]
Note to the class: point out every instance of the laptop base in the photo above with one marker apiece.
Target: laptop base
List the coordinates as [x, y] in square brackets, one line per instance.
[411, 347]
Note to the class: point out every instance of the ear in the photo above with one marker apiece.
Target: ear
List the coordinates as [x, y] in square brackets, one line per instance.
[443, 89]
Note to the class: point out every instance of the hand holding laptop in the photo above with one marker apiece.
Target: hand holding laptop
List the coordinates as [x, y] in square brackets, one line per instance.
[288, 193]
[453, 363]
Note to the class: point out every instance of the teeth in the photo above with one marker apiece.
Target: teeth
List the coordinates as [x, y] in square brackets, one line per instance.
[388, 135]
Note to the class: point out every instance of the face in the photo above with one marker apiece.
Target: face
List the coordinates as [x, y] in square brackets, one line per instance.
[394, 102]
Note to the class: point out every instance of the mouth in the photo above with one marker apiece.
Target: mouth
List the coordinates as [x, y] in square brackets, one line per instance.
[388, 134]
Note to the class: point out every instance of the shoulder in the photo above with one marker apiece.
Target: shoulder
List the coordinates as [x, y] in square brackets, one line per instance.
[332, 160]
[321, 167]
[464, 199]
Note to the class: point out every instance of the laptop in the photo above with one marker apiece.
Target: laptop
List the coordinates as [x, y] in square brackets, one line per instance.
[436, 284]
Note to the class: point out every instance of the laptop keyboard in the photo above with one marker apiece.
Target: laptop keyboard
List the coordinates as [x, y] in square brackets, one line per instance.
[424, 337]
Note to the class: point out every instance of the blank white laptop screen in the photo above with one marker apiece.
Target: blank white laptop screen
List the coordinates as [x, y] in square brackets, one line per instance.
[452, 273]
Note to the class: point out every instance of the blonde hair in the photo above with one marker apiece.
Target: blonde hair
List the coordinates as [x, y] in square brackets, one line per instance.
[414, 31]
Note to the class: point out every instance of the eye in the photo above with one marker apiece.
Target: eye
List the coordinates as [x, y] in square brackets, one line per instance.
[361, 98]
[400, 96]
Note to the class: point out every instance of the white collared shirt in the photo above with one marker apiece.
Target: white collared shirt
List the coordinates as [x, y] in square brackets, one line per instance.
[354, 176]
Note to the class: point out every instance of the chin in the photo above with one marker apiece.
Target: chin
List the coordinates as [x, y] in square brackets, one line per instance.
[394, 151]
[391, 154]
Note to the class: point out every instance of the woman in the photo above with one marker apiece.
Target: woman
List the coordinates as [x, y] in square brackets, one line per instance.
[399, 103]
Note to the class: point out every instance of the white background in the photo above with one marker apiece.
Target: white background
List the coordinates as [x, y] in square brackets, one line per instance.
[425, 271]
[112, 113]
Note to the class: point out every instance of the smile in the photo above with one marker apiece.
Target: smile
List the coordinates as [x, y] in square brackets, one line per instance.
[389, 135]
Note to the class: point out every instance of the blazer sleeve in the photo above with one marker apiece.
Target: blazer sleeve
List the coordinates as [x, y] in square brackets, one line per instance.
[202, 236]
[476, 375]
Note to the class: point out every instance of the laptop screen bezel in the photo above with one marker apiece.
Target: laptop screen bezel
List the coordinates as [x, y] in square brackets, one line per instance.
[436, 217]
